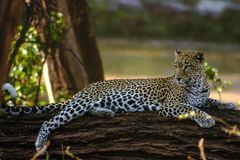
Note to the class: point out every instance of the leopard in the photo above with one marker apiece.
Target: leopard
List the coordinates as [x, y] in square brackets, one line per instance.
[184, 93]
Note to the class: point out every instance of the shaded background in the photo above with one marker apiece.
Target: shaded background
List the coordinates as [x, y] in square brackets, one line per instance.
[137, 38]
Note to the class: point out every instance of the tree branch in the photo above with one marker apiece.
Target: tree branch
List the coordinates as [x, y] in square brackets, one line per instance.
[142, 135]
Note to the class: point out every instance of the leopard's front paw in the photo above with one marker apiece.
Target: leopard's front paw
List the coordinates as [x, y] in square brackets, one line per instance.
[230, 106]
[205, 121]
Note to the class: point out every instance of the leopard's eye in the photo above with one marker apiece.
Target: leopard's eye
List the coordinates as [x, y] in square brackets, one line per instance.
[175, 65]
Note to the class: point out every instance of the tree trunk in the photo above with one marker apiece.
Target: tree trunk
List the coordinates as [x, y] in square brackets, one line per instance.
[78, 62]
[142, 135]
[10, 16]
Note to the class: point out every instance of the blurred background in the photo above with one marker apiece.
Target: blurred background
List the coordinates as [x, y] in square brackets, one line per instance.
[137, 38]
[51, 49]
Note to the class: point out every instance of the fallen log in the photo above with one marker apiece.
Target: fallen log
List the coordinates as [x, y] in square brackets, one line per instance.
[142, 135]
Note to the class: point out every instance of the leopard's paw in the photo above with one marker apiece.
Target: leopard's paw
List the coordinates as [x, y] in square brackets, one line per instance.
[205, 121]
[230, 106]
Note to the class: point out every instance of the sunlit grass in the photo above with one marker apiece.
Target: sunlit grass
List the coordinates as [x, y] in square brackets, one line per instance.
[227, 128]
[201, 150]
[233, 130]
[70, 154]
[41, 152]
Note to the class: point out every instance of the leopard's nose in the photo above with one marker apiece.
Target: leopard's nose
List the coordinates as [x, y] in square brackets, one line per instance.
[179, 79]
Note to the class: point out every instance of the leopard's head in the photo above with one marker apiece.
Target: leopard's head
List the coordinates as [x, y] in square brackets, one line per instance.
[189, 67]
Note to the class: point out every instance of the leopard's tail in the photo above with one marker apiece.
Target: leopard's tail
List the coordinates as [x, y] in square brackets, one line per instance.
[19, 110]
[23, 110]
[12, 91]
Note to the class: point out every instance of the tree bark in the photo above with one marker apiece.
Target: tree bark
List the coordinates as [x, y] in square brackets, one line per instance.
[10, 16]
[142, 135]
[77, 63]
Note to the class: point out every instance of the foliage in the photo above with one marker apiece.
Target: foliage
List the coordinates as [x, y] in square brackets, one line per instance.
[154, 21]
[27, 68]
[238, 104]
[63, 95]
[57, 27]
[189, 2]
[217, 83]
[26, 71]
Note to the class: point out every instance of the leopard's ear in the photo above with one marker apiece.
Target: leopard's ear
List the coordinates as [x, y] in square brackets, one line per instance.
[199, 57]
[177, 53]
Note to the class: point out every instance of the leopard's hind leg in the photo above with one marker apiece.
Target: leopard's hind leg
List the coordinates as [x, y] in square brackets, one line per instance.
[221, 105]
[72, 111]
